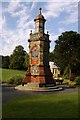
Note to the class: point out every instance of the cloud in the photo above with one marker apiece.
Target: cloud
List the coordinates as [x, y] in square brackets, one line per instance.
[22, 13]
[55, 9]
[53, 37]
[20, 35]
[16, 9]
[34, 4]
[12, 38]
[12, 6]
[2, 21]
[72, 16]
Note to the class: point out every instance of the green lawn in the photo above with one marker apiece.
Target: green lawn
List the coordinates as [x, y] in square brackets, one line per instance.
[8, 73]
[42, 106]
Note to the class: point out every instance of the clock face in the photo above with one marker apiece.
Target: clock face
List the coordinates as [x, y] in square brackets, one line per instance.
[35, 53]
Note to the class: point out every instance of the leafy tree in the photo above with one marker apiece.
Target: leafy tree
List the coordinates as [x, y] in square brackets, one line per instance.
[5, 61]
[0, 61]
[26, 62]
[17, 59]
[51, 56]
[67, 51]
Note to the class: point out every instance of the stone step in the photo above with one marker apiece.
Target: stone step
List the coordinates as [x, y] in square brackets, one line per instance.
[33, 85]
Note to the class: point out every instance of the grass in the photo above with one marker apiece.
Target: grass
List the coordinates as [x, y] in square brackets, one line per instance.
[39, 106]
[8, 73]
[42, 106]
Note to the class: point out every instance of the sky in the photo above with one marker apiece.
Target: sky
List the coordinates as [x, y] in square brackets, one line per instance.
[17, 20]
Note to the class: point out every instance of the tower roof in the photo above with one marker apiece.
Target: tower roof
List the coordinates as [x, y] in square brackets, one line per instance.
[40, 16]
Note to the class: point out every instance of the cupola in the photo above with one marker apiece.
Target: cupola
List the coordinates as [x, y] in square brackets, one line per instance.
[39, 22]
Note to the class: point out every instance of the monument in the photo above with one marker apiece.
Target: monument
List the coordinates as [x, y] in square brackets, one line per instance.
[39, 70]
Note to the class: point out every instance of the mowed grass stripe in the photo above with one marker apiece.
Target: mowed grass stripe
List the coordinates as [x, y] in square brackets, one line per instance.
[42, 106]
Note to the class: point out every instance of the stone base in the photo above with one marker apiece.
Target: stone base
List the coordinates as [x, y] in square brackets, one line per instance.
[36, 87]
[44, 75]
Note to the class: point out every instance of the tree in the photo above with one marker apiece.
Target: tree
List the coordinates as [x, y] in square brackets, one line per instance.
[67, 51]
[51, 56]
[0, 61]
[26, 62]
[17, 59]
[5, 61]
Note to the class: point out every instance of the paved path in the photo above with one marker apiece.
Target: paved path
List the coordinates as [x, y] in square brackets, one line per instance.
[9, 93]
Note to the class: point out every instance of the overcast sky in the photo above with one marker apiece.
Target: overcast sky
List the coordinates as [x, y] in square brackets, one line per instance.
[17, 20]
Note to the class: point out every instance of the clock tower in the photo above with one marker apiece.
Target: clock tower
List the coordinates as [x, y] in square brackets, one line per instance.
[39, 44]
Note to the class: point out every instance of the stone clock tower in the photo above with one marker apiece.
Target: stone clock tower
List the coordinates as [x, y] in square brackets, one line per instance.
[39, 69]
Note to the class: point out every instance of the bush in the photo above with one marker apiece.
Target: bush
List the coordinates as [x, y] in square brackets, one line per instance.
[71, 83]
[17, 80]
[77, 79]
[65, 81]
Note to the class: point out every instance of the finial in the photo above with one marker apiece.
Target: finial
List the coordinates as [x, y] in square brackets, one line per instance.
[40, 10]
[47, 32]
[31, 32]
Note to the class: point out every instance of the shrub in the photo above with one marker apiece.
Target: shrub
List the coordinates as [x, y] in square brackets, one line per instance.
[15, 80]
[77, 79]
[65, 81]
[71, 83]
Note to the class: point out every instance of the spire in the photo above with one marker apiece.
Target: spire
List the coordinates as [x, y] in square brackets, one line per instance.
[39, 16]
[40, 10]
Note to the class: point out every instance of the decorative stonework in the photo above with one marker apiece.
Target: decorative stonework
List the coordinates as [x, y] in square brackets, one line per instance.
[39, 69]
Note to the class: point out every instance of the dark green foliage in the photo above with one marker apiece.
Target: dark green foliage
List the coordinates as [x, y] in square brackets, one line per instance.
[51, 56]
[17, 59]
[0, 61]
[67, 51]
[17, 80]
[26, 62]
[5, 61]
